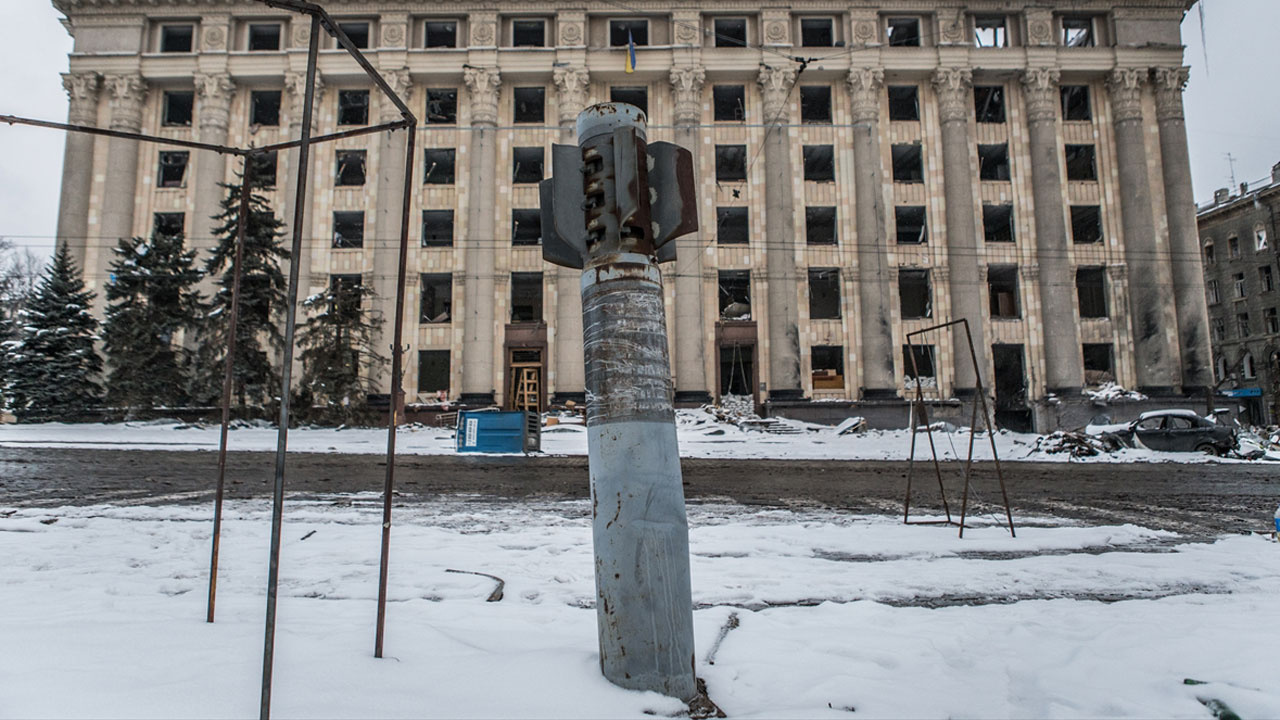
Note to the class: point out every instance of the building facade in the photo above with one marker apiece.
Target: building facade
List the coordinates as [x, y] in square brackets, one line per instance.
[865, 170]
[1242, 285]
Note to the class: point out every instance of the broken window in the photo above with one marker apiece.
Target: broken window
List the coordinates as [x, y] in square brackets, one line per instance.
[908, 163]
[168, 224]
[917, 362]
[1077, 31]
[1237, 282]
[815, 103]
[993, 162]
[353, 107]
[1266, 280]
[731, 163]
[732, 226]
[623, 31]
[990, 32]
[1075, 103]
[1246, 367]
[728, 103]
[828, 367]
[262, 168]
[1081, 163]
[735, 294]
[438, 166]
[1211, 291]
[1260, 239]
[173, 169]
[912, 227]
[1233, 247]
[264, 37]
[530, 105]
[1208, 254]
[631, 95]
[731, 32]
[1242, 324]
[824, 293]
[1086, 224]
[819, 163]
[1091, 290]
[264, 108]
[437, 297]
[820, 225]
[350, 168]
[904, 32]
[440, 34]
[904, 103]
[345, 291]
[1002, 288]
[914, 294]
[433, 371]
[437, 228]
[988, 103]
[526, 226]
[1099, 365]
[348, 229]
[526, 164]
[997, 223]
[177, 38]
[442, 106]
[816, 32]
[357, 33]
[528, 33]
[1272, 321]
[1217, 330]
[178, 107]
[526, 297]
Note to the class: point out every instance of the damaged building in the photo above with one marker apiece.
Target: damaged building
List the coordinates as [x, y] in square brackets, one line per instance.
[864, 171]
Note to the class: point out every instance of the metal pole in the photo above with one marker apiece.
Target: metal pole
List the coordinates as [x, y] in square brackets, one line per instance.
[286, 371]
[233, 321]
[397, 391]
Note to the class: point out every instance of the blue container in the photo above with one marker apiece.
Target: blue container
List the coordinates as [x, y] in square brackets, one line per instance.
[487, 431]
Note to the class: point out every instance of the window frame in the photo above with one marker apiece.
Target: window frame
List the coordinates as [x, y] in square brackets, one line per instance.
[437, 214]
[728, 217]
[1001, 37]
[615, 42]
[161, 166]
[340, 242]
[542, 42]
[721, 39]
[166, 107]
[429, 165]
[426, 34]
[740, 91]
[252, 28]
[162, 37]
[350, 93]
[435, 281]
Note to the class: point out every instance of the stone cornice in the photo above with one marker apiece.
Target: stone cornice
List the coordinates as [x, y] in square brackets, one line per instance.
[1130, 8]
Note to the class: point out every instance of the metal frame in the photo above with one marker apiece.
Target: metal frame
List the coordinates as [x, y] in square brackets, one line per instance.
[408, 122]
[919, 412]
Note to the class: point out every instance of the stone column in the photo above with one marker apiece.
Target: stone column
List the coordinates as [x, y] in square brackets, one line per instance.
[1151, 304]
[387, 214]
[572, 84]
[295, 88]
[954, 87]
[691, 339]
[1064, 372]
[1184, 239]
[876, 354]
[127, 92]
[215, 92]
[77, 164]
[779, 236]
[479, 329]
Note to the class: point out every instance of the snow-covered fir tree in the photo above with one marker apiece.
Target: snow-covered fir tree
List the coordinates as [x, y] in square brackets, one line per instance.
[151, 298]
[339, 361]
[52, 370]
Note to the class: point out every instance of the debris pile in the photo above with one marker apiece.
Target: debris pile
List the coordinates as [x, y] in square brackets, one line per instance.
[1110, 392]
[1077, 444]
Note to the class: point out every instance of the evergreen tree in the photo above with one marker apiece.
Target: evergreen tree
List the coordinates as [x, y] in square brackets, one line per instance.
[262, 298]
[151, 299]
[52, 368]
[339, 360]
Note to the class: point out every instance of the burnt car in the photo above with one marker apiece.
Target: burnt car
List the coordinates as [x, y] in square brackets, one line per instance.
[1179, 431]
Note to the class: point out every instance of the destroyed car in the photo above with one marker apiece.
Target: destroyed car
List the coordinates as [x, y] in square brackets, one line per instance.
[1174, 431]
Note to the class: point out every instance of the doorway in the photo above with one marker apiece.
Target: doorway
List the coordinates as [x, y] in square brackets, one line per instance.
[524, 379]
[737, 369]
[1012, 412]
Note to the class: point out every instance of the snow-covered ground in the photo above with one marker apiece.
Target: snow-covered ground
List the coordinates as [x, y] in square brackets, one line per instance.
[700, 436]
[103, 616]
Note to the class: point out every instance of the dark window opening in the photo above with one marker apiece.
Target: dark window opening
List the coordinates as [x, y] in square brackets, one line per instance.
[735, 294]
[1081, 163]
[526, 297]
[1086, 224]
[351, 168]
[911, 223]
[528, 33]
[997, 223]
[1002, 287]
[1209, 258]
[1272, 320]
[433, 371]
[437, 297]
[530, 105]
[264, 108]
[173, 169]
[1242, 324]
[904, 32]
[357, 33]
[177, 38]
[824, 293]
[904, 103]
[348, 229]
[728, 102]
[815, 104]
[988, 103]
[1099, 364]
[732, 226]
[1233, 247]
[915, 297]
[441, 34]
[993, 162]
[990, 32]
[622, 31]
[819, 163]
[816, 32]
[437, 228]
[908, 163]
[828, 367]
[1237, 281]
[346, 291]
[526, 226]
[262, 168]
[731, 32]
[1075, 103]
[1077, 32]
[820, 225]
[178, 107]
[731, 163]
[1091, 290]
[353, 107]
[442, 106]
[526, 164]
[917, 361]
[638, 96]
[168, 224]
[1266, 280]
[438, 166]
[264, 37]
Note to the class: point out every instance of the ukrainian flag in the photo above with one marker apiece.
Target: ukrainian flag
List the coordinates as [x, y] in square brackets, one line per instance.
[631, 53]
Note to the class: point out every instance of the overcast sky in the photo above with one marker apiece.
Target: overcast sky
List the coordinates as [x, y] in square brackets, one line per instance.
[1233, 106]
